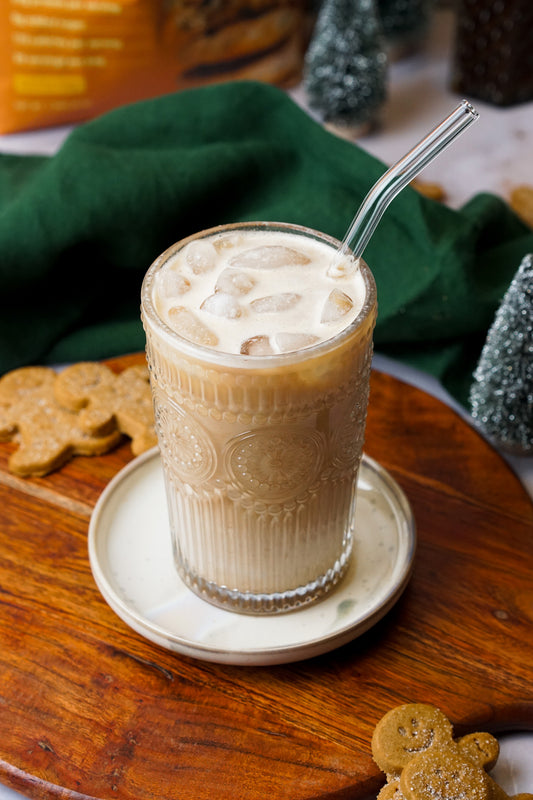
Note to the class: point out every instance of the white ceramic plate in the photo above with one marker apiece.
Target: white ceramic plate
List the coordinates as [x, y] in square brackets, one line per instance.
[132, 563]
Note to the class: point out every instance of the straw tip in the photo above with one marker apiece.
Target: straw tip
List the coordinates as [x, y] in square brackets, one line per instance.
[469, 108]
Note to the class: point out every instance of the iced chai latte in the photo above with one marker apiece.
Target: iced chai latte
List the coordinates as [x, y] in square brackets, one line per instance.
[260, 357]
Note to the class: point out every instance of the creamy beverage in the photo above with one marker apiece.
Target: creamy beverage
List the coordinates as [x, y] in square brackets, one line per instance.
[259, 343]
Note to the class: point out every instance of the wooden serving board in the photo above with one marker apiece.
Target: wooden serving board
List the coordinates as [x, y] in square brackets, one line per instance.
[90, 708]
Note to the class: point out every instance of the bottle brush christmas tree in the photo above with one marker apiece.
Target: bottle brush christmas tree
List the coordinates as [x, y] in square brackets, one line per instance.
[345, 66]
[501, 396]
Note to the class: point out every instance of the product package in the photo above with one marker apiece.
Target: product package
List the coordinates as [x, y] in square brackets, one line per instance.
[64, 61]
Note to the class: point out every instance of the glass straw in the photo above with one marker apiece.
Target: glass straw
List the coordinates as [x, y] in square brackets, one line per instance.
[399, 175]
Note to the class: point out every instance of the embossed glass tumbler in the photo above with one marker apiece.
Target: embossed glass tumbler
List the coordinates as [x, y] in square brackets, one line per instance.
[260, 449]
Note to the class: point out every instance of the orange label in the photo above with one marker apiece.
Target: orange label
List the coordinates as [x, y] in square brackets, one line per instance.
[48, 85]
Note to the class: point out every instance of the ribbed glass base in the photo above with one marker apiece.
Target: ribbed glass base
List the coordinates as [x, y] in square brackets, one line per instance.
[274, 603]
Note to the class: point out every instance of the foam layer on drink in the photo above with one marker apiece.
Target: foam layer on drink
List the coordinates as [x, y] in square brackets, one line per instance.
[258, 292]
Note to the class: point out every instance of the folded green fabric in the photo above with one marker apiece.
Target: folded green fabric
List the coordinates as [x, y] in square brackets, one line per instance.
[79, 229]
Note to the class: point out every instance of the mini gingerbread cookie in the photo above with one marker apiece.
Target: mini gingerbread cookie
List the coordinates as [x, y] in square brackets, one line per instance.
[481, 748]
[414, 745]
[442, 774]
[106, 401]
[48, 435]
[450, 774]
[405, 731]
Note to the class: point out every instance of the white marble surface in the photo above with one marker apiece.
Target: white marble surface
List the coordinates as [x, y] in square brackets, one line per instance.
[494, 155]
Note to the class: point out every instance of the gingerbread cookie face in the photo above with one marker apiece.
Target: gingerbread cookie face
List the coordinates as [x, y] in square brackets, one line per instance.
[481, 748]
[47, 434]
[405, 731]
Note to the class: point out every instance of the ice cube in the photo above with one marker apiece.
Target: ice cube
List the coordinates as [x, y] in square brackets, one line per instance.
[232, 281]
[268, 257]
[273, 303]
[337, 305]
[222, 305]
[200, 256]
[190, 327]
[286, 341]
[171, 283]
[225, 241]
[343, 266]
[257, 346]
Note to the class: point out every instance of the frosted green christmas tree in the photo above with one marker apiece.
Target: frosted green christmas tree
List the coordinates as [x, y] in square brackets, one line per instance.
[404, 22]
[346, 66]
[501, 396]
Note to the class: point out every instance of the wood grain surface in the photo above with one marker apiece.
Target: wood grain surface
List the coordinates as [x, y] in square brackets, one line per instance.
[88, 708]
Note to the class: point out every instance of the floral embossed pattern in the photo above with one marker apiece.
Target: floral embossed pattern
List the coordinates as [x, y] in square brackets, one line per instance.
[185, 447]
[275, 464]
[348, 437]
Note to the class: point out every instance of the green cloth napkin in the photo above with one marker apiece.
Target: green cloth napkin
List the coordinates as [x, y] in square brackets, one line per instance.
[79, 229]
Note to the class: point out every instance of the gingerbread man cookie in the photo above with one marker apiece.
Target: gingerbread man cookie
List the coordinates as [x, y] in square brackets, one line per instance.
[48, 435]
[405, 731]
[106, 401]
[414, 746]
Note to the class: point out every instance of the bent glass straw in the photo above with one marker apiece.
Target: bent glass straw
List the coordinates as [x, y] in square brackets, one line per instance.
[399, 175]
